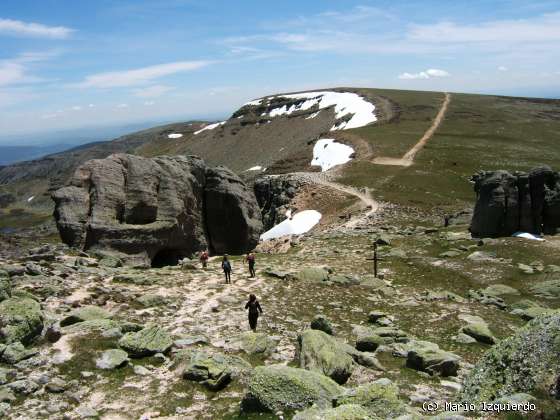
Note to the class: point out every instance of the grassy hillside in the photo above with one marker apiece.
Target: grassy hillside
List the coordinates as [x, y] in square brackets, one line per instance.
[478, 132]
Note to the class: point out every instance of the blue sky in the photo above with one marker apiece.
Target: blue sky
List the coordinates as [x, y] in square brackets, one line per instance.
[67, 64]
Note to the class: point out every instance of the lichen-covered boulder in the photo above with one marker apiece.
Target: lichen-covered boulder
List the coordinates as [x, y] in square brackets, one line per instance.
[322, 353]
[253, 343]
[112, 358]
[278, 387]
[428, 357]
[214, 371]
[480, 332]
[313, 274]
[321, 322]
[146, 342]
[156, 211]
[85, 313]
[527, 361]
[343, 412]
[5, 285]
[16, 352]
[380, 399]
[21, 319]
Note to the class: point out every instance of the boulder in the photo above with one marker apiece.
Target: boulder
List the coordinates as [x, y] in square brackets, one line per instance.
[253, 343]
[380, 399]
[527, 361]
[274, 194]
[320, 322]
[480, 332]
[149, 300]
[16, 352]
[156, 211]
[214, 371]
[322, 353]
[85, 313]
[146, 342]
[5, 285]
[507, 203]
[111, 359]
[549, 289]
[279, 388]
[21, 319]
[343, 412]
[313, 274]
[428, 357]
[369, 341]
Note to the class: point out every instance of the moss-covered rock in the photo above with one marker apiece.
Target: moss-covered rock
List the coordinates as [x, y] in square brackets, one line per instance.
[278, 387]
[480, 332]
[322, 353]
[253, 343]
[5, 285]
[101, 326]
[428, 357]
[320, 322]
[549, 289]
[85, 313]
[149, 300]
[380, 399]
[368, 341]
[146, 342]
[112, 358]
[343, 412]
[214, 371]
[527, 361]
[16, 352]
[20, 320]
[314, 274]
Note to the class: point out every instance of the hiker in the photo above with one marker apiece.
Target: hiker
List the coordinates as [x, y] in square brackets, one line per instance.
[204, 258]
[226, 266]
[250, 258]
[254, 308]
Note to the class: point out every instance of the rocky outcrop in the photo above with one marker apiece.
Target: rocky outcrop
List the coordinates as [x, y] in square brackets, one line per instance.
[156, 211]
[274, 194]
[525, 362]
[508, 203]
[21, 319]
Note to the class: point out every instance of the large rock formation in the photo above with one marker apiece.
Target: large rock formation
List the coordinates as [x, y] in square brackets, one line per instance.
[156, 210]
[508, 203]
[274, 194]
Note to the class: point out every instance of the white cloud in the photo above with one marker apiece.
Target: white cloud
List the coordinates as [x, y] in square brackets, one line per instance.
[122, 106]
[428, 74]
[149, 103]
[11, 73]
[76, 108]
[33, 30]
[91, 106]
[140, 76]
[502, 68]
[152, 91]
[541, 28]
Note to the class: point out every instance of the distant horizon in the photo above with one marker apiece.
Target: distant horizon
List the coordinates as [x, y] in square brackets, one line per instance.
[140, 60]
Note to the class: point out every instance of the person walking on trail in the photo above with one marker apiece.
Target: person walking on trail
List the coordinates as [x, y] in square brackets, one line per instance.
[254, 309]
[204, 258]
[250, 258]
[226, 266]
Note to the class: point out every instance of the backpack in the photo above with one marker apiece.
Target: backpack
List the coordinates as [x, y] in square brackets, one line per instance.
[226, 265]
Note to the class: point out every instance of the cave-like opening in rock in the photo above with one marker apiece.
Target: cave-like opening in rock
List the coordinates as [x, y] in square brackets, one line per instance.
[166, 257]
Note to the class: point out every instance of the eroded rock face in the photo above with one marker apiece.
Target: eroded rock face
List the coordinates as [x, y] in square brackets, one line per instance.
[508, 203]
[156, 210]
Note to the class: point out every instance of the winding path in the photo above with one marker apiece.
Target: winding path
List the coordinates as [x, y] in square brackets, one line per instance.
[408, 157]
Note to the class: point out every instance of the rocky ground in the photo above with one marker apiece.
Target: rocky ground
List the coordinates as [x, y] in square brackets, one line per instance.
[87, 338]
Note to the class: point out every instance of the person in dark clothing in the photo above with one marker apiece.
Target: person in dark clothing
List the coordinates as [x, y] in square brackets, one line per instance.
[254, 309]
[250, 258]
[226, 266]
[204, 259]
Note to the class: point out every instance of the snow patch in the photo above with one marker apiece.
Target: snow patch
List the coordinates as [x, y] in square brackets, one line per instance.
[345, 104]
[210, 127]
[328, 153]
[527, 235]
[30, 199]
[255, 168]
[299, 223]
[174, 136]
[313, 115]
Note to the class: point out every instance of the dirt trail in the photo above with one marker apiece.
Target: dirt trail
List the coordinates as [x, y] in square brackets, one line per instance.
[326, 179]
[408, 157]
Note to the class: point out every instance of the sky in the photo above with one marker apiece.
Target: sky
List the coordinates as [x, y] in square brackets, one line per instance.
[66, 64]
